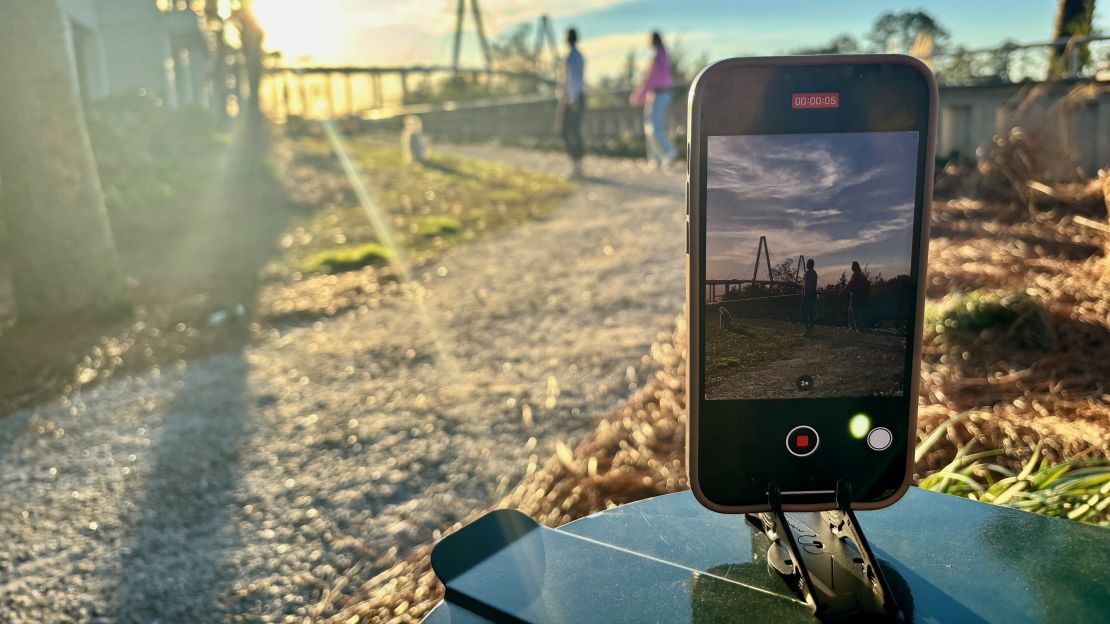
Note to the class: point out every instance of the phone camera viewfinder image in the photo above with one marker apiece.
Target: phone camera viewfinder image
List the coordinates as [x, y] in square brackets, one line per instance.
[808, 253]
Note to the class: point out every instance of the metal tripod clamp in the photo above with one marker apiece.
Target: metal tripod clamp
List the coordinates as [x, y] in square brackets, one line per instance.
[826, 560]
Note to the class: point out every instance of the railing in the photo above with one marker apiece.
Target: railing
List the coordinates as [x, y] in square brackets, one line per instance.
[969, 113]
[1084, 57]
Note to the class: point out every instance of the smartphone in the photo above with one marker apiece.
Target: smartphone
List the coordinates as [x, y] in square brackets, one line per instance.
[809, 186]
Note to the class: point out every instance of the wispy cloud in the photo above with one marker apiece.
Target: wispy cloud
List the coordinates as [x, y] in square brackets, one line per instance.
[832, 197]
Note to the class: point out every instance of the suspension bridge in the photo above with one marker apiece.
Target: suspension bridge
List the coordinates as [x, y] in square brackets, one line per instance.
[354, 90]
[762, 252]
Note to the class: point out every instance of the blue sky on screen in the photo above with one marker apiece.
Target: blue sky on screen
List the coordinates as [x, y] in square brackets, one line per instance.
[831, 197]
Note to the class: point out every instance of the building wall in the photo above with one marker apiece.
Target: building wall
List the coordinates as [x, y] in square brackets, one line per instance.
[121, 46]
[971, 116]
[85, 46]
[83, 12]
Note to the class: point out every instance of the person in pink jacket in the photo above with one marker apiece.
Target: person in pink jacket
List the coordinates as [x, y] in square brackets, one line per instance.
[654, 94]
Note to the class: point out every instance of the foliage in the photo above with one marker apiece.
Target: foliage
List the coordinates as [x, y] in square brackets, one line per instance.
[900, 31]
[785, 271]
[890, 32]
[1017, 313]
[734, 349]
[623, 79]
[348, 258]
[194, 214]
[964, 68]
[683, 66]
[843, 43]
[1073, 18]
[429, 207]
[515, 52]
[150, 161]
[438, 225]
[1077, 489]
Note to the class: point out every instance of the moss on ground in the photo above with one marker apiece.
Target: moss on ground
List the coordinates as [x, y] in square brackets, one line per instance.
[426, 207]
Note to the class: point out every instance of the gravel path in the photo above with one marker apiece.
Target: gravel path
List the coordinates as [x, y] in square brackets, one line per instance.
[246, 485]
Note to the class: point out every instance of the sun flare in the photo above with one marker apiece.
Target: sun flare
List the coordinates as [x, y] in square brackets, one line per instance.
[297, 28]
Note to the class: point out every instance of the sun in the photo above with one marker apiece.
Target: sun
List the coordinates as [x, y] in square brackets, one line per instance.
[297, 28]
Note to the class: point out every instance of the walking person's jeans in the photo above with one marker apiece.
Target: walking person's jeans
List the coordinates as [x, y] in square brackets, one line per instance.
[659, 148]
[570, 120]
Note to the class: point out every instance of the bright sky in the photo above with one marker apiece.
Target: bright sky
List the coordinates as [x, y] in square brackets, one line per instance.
[381, 32]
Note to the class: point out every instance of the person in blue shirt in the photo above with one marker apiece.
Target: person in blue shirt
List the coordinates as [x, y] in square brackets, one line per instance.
[572, 102]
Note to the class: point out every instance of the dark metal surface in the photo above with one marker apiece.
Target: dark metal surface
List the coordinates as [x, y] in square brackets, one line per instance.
[947, 559]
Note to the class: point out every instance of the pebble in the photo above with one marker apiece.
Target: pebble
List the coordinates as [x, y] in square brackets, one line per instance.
[254, 482]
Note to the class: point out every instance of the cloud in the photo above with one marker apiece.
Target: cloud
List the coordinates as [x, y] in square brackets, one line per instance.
[345, 31]
[832, 197]
[607, 55]
[497, 15]
[501, 13]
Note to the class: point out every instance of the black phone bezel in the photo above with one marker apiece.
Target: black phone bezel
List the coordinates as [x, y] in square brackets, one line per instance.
[723, 92]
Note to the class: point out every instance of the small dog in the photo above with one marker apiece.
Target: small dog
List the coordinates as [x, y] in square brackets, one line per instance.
[723, 314]
[412, 141]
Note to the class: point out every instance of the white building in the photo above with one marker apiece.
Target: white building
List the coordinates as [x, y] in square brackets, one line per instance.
[121, 46]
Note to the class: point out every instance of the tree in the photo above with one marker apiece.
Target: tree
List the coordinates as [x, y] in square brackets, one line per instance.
[841, 44]
[1073, 18]
[217, 72]
[900, 32]
[783, 271]
[251, 37]
[984, 68]
[516, 51]
[625, 78]
[63, 259]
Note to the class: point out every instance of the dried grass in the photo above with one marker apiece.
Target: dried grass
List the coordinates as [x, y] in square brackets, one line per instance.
[1017, 395]
[1046, 241]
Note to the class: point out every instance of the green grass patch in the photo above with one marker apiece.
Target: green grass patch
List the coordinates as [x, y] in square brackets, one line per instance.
[968, 315]
[349, 258]
[428, 207]
[1078, 489]
[438, 225]
[747, 346]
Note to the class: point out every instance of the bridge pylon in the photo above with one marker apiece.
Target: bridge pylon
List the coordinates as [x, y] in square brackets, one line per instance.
[460, 16]
[766, 252]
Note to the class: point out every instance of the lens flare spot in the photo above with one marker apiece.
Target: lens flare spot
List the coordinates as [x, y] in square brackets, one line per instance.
[859, 425]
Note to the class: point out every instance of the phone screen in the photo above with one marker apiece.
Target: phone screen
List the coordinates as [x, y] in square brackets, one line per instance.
[810, 183]
[808, 251]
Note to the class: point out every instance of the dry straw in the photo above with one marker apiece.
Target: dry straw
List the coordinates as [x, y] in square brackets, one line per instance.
[1015, 355]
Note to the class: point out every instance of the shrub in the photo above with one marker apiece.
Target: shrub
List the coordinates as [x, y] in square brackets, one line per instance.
[1078, 489]
[438, 225]
[1018, 313]
[349, 258]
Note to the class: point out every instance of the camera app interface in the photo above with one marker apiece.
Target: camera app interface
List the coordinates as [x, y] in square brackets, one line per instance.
[808, 252]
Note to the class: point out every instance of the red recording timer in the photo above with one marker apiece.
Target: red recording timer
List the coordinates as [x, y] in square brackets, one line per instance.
[815, 100]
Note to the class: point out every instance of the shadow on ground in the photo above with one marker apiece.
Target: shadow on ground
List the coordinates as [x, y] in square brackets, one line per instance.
[174, 565]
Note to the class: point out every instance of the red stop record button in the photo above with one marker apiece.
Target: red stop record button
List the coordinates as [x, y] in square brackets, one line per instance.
[815, 100]
[802, 441]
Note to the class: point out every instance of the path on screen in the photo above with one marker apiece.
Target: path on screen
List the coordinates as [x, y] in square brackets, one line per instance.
[763, 358]
[250, 483]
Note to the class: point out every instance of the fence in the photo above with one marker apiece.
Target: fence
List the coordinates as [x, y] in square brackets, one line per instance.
[968, 118]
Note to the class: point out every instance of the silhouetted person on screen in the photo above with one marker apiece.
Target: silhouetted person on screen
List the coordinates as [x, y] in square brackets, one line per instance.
[857, 288]
[809, 298]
